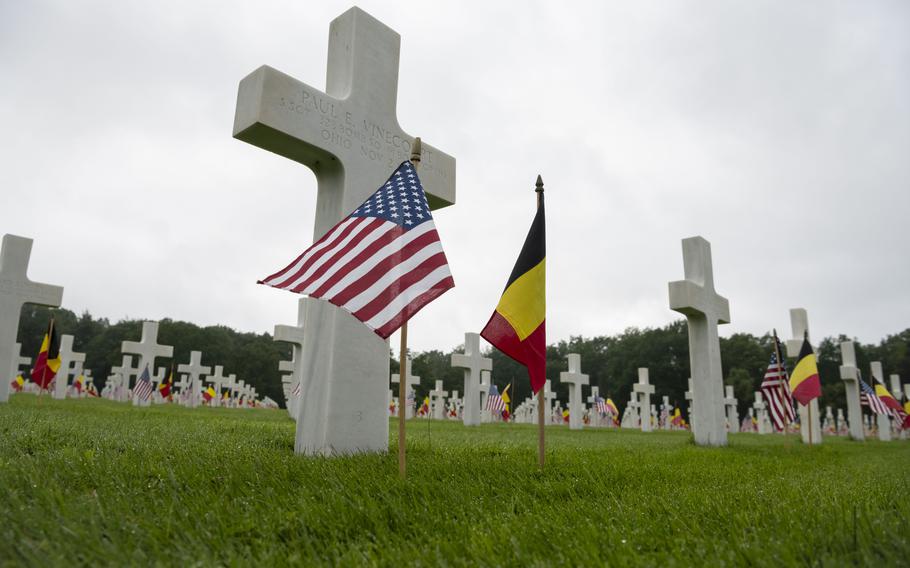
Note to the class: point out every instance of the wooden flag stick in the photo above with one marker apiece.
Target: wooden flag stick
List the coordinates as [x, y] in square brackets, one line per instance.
[541, 401]
[416, 150]
[402, 398]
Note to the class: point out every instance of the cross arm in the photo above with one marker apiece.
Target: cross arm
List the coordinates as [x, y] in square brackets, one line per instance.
[283, 115]
[688, 298]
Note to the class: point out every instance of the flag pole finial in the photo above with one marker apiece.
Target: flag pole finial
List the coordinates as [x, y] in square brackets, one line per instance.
[416, 150]
[539, 184]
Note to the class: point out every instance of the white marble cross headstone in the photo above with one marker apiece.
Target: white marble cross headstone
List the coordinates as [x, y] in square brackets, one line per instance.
[17, 360]
[349, 136]
[289, 382]
[704, 309]
[883, 420]
[437, 398]
[294, 335]
[665, 411]
[575, 379]
[689, 394]
[123, 372]
[67, 358]
[808, 415]
[849, 373]
[15, 291]
[147, 348]
[732, 412]
[760, 410]
[484, 386]
[473, 363]
[413, 381]
[194, 369]
[644, 390]
[218, 380]
[592, 400]
[895, 386]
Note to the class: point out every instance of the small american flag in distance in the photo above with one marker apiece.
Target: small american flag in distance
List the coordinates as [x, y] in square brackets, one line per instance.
[383, 263]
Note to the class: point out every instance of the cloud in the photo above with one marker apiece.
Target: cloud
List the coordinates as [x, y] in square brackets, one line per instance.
[778, 131]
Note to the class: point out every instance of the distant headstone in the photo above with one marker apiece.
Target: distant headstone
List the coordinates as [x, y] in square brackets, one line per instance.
[294, 335]
[850, 375]
[665, 411]
[67, 358]
[194, 371]
[349, 136]
[809, 417]
[883, 420]
[473, 363]
[630, 418]
[596, 418]
[16, 361]
[437, 400]
[644, 390]
[689, 394]
[124, 372]
[147, 348]
[17, 290]
[575, 379]
[218, 381]
[413, 381]
[485, 382]
[695, 298]
[732, 413]
[761, 413]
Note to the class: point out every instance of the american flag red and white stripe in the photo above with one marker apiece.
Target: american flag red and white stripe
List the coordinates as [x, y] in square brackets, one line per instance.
[494, 400]
[143, 387]
[600, 405]
[775, 387]
[867, 397]
[382, 263]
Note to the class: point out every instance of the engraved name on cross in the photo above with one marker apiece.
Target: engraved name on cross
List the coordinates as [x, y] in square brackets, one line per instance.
[349, 136]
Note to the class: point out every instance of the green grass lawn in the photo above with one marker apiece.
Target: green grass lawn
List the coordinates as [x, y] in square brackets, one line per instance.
[96, 482]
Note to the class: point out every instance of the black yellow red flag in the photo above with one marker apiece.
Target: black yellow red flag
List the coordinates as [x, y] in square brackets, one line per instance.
[804, 382]
[48, 360]
[518, 325]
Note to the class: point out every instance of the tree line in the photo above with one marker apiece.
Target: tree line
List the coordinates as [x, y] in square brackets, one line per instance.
[611, 361]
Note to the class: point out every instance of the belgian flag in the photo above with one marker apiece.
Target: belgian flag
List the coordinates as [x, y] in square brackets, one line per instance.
[48, 361]
[518, 325]
[804, 382]
[164, 389]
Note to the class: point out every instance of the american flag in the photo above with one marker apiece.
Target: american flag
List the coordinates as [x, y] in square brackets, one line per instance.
[494, 400]
[143, 387]
[600, 405]
[867, 397]
[775, 387]
[382, 263]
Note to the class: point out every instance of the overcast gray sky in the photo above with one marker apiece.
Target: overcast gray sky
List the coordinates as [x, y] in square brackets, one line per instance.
[779, 131]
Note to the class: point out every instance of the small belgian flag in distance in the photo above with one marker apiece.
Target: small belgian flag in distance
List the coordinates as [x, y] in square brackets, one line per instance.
[804, 382]
[518, 325]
